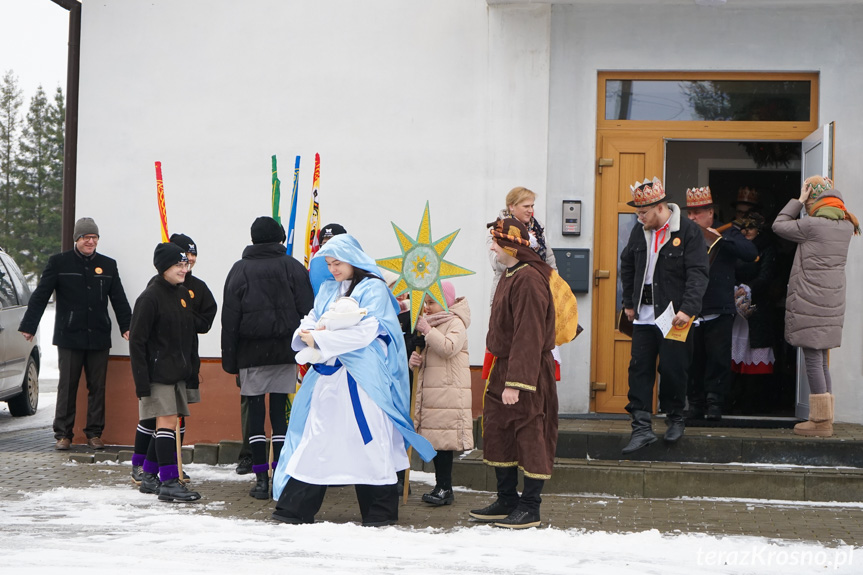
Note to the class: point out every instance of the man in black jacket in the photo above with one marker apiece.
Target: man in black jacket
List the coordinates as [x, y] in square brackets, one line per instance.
[664, 262]
[710, 376]
[266, 295]
[83, 281]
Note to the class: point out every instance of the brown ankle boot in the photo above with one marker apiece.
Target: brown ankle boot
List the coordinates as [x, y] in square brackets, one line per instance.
[820, 422]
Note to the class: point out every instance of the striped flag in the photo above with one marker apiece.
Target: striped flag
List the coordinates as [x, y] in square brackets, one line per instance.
[160, 198]
[293, 216]
[314, 222]
[277, 194]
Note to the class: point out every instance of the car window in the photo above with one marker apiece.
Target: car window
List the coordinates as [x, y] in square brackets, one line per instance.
[8, 297]
[21, 288]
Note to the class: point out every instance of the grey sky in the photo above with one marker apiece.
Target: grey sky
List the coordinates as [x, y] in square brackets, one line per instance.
[33, 42]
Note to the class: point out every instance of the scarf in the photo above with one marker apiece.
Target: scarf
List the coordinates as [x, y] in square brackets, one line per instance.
[436, 319]
[833, 208]
[536, 230]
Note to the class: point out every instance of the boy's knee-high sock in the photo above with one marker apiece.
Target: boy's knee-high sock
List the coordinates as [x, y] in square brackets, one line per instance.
[143, 434]
[166, 452]
[257, 436]
[182, 428]
[151, 462]
[278, 408]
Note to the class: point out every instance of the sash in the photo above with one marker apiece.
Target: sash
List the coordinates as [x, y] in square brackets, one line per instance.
[355, 397]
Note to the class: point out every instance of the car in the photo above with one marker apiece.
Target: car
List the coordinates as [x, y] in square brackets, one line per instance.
[19, 358]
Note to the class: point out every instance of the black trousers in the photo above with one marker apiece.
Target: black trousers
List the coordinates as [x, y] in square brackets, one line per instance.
[710, 374]
[674, 359]
[71, 362]
[300, 500]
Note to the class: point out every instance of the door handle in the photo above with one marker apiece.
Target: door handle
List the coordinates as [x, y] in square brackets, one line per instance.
[600, 275]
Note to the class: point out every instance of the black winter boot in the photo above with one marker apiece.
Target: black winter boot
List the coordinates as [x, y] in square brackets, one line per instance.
[507, 496]
[642, 432]
[261, 490]
[439, 496]
[149, 483]
[173, 490]
[527, 513]
[675, 426]
[137, 474]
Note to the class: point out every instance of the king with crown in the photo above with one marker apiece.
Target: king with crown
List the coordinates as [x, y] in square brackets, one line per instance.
[664, 262]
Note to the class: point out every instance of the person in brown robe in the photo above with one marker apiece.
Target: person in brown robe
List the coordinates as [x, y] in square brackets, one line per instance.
[520, 406]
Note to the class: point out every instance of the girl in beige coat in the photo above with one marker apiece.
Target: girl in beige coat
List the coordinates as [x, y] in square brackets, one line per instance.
[815, 305]
[443, 400]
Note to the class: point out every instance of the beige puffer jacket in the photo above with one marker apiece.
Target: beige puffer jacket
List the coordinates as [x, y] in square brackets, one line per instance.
[443, 408]
[815, 305]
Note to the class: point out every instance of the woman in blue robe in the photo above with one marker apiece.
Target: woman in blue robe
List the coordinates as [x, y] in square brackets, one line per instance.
[350, 421]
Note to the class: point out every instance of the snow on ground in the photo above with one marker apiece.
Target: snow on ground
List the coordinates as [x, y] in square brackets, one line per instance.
[107, 529]
[111, 528]
[44, 416]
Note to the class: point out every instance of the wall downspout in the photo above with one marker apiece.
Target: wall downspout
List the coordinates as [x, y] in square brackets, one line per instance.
[70, 146]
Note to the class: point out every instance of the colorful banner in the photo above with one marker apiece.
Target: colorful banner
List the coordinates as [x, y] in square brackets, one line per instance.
[277, 194]
[293, 216]
[160, 196]
[314, 222]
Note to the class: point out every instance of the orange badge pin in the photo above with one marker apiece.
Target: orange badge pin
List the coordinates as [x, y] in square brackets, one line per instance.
[98, 270]
[191, 294]
[676, 242]
[183, 302]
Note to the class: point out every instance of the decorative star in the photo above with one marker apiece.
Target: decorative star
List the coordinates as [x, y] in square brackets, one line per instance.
[421, 266]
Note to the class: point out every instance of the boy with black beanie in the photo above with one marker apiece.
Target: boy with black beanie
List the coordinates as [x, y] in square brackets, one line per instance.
[204, 309]
[161, 349]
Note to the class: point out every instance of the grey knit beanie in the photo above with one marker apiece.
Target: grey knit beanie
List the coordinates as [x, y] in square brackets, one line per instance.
[84, 227]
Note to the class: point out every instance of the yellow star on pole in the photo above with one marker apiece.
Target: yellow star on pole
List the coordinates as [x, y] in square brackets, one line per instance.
[421, 266]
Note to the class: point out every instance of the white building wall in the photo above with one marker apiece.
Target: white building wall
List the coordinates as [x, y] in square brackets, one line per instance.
[589, 38]
[452, 101]
[392, 94]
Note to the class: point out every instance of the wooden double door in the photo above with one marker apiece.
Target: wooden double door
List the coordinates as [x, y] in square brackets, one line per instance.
[624, 158]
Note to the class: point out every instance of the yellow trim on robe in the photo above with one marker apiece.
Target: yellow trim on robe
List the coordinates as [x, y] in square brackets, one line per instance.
[500, 464]
[519, 385]
[535, 475]
[510, 273]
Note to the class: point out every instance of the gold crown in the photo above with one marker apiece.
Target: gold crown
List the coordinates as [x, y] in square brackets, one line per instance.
[647, 192]
[698, 197]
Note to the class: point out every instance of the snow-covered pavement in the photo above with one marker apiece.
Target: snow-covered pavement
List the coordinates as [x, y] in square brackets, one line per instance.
[109, 527]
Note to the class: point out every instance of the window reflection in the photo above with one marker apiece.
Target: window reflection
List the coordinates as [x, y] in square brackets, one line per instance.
[625, 223]
[708, 100]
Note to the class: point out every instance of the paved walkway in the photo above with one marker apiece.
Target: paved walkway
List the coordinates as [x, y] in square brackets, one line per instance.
[28, 463]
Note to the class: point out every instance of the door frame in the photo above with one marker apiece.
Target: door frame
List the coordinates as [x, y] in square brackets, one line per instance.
[662, 131]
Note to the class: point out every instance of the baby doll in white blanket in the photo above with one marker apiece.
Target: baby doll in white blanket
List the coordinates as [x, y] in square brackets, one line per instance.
[342, 313]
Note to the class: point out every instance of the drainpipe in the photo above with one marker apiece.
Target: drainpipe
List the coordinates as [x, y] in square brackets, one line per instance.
[70, 146]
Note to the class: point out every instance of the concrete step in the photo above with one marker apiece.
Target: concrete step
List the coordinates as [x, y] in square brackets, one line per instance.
[715, 446]
[614, 478]
[654, 479]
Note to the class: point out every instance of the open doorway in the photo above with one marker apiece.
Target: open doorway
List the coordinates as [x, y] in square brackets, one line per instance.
[773, 170]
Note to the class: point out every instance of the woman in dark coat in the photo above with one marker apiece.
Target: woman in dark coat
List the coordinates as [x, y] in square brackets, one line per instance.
[815, 306]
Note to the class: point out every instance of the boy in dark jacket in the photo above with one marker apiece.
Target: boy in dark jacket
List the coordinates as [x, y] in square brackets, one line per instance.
[266, 295]
[161, 349]
[204, 310]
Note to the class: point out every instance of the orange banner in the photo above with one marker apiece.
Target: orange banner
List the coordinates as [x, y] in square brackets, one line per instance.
[160, 196]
